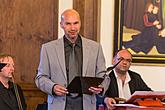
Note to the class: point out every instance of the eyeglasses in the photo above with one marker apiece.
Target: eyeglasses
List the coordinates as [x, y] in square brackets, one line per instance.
[123, 59]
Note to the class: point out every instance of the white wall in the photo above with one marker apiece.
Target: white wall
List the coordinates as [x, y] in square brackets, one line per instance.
[107, 30]
[154, 76]
[63, 4]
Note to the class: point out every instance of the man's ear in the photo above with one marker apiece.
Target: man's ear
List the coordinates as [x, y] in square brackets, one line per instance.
[61, 25]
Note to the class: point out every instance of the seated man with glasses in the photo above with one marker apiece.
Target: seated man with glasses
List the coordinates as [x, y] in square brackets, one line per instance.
[123, 81]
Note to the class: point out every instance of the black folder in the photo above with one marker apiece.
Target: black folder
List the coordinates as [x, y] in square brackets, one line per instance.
[2, 65]
[82, 84]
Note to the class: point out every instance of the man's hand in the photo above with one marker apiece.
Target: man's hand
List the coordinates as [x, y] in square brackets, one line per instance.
[96, 90]
[60, 90]
[109, 102]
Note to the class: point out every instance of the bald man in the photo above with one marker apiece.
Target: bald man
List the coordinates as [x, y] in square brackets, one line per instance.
[123, 81]
[53, 71]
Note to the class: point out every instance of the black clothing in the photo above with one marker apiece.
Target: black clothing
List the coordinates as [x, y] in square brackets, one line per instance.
[8, 99]
[76, 102]
[78, 52]
[136, 84]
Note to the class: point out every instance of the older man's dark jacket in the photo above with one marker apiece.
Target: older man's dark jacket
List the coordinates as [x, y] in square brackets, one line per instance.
[5, 101]
[136, 84]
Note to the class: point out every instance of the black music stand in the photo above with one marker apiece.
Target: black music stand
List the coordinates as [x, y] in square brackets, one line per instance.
[2, 65]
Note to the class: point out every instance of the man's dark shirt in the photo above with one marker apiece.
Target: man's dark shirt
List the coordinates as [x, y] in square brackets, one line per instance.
[78, 54]
[74, 103]
[10, 95]
[8, 99]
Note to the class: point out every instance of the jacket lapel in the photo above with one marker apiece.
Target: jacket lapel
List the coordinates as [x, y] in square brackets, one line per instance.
[132, 85]
[113, 85]
[85, 56]
[61, 56]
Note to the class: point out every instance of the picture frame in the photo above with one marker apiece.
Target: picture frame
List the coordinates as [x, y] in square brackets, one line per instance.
[129, 31]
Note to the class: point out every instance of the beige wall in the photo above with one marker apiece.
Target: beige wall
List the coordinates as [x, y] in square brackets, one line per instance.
[154, 76]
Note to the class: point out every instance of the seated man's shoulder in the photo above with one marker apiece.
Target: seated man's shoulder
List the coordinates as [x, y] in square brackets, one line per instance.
[133, 73]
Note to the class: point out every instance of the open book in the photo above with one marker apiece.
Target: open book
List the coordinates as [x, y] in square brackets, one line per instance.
[146, 95]
[146, 98]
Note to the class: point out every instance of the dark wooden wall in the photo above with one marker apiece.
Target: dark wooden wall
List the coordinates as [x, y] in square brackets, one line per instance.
[26, 24]
[90, 16]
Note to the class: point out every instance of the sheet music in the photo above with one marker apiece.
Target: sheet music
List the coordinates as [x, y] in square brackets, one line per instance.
[146, 94]
[128, 105]
[149, 93]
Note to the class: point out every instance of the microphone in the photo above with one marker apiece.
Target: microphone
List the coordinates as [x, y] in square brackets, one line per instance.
[17, 94]
[112, 67]
[2, 65]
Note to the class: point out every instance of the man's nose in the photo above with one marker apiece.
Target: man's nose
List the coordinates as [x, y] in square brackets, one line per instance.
[12, 68]
[72, 27]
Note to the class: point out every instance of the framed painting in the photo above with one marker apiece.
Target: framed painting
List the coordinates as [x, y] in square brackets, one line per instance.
[140, 27]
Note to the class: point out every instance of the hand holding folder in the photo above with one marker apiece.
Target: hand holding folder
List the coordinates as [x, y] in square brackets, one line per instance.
[82, 84]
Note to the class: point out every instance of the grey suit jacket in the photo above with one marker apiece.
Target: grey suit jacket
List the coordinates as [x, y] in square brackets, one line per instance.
[52, 70]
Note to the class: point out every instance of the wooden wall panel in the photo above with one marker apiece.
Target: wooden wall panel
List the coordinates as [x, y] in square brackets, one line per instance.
[90, 16]
[33, 96]
[25, 25]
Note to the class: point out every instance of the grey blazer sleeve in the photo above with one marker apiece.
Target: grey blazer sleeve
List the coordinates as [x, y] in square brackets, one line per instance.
[101, 69]
[42, 79]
